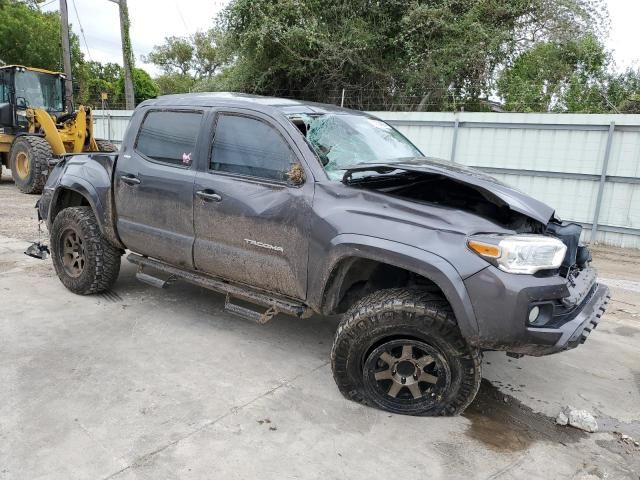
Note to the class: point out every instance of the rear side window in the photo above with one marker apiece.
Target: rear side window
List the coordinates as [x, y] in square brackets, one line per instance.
[248, 146]
[169, 137]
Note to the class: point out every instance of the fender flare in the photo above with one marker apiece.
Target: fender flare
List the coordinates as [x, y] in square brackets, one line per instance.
[410, 258]
[101, 209]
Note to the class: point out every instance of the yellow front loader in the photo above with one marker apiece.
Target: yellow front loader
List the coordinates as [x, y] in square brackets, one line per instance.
[34, 126]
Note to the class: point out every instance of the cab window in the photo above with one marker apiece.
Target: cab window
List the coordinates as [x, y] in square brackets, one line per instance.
[4, 89]
[248, 146]
[169, 137]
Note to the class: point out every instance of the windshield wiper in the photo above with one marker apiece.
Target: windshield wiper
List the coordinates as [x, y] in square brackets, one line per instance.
[380, 169]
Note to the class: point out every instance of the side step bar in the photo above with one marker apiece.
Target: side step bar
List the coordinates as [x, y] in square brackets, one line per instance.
[249, 314]
[153, 280]
[274, 304]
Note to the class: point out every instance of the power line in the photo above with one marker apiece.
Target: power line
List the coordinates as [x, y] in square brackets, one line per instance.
[181, 17]
[82, 30]
[46, 4]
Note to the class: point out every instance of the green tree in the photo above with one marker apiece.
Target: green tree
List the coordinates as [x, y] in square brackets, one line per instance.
[395, 54]
[174, 83]
[32, 38]
[175, 56]
[188, 61]
[208, 56]
[101, 78]
[198, 55]
[556, 76]
[623, 91]
[631, 105]
[572, 76]
[143, 85]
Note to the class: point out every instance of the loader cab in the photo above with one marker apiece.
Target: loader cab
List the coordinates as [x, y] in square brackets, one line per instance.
[22, 88]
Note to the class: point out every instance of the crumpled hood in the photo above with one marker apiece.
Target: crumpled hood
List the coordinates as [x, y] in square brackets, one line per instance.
[488, 186]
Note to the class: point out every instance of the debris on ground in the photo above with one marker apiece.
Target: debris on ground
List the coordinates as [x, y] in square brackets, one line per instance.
[628, 443]
[577, 418]
[512, 426]
[562, 419]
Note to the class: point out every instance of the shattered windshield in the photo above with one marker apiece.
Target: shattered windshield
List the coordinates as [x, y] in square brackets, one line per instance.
[39, 90]
[342, 141]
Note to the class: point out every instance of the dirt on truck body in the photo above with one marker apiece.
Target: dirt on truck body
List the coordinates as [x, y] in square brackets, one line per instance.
[300, 208]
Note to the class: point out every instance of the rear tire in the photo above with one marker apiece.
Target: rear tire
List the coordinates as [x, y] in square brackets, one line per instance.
[84, 260]
[106, 146]
[29, 160]
[401, 350]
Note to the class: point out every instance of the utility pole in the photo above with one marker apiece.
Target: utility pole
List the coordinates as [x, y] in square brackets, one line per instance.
[127, 55]
[66, 56]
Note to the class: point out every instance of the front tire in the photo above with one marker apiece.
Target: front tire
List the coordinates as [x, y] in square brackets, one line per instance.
[84, 260]
[29, 160]
[401, 350]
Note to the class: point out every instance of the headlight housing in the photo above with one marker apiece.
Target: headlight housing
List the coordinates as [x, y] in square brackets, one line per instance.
[523, 254]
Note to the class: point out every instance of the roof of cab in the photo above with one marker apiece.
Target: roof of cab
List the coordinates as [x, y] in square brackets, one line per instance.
[213, 99]
[33, 69]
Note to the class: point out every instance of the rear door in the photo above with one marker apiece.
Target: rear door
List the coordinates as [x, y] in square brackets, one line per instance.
[153, 185]
[251, 222]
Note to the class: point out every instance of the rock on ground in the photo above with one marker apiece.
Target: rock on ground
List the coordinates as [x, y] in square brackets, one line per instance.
[577, 418]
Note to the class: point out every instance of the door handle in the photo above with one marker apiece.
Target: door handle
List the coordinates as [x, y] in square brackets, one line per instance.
[208, 195]
[130, 179]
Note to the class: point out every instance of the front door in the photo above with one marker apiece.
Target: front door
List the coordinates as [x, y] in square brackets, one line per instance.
[250, 220]
[153, 186]
[7, 114]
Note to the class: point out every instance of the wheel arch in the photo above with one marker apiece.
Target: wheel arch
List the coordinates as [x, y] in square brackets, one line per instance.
[75, 192]
[384, 257]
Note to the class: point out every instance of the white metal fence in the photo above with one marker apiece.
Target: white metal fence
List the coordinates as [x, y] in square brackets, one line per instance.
[585, 166]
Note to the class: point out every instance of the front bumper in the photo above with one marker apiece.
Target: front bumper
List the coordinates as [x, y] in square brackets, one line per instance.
[501, 302]
[574, 332]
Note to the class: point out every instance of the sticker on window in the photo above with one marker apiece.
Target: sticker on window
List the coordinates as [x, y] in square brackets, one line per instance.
[186, 158]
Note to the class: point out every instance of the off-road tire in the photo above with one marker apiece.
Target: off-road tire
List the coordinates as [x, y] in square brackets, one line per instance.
[102, 260]
[38, 152]
[386, 316]
[106, 146]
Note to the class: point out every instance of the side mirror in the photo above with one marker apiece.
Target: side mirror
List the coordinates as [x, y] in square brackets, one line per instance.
[7, 118]
[296, 174]
[22, 102]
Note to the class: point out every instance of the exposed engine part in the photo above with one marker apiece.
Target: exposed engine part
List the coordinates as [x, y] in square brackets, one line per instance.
[440, 190]
[570, 233]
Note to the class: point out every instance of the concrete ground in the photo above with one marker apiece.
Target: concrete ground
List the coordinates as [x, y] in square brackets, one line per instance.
[140, 383]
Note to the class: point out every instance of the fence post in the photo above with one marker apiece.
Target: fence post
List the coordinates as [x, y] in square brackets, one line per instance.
[454, 142]
[603, 180]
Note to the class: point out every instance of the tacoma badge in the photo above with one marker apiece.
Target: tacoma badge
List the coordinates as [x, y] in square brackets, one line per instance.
[264, 245]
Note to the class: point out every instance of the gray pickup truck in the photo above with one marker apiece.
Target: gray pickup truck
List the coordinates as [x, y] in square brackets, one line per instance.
[301, 208]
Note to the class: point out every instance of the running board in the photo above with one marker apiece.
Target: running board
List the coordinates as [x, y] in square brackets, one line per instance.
[153, 280]
[247, 313]
[273, 303]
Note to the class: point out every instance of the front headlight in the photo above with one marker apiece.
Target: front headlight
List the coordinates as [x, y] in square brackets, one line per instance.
[524, 254]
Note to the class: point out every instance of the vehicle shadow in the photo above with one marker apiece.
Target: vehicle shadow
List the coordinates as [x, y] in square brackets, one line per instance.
[498, 420]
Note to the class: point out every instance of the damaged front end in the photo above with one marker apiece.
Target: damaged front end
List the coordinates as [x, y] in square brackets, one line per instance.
[539, 294]
[528, 278]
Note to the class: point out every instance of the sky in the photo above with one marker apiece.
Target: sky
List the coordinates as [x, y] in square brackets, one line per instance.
[153, 20]
[624, 37]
